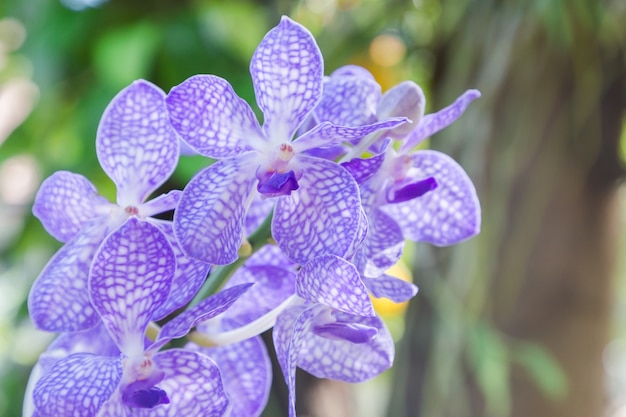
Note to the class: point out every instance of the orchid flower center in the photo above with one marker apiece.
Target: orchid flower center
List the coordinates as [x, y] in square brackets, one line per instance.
[138, 387]
[282, 156]
[131, 210]
[275, 178]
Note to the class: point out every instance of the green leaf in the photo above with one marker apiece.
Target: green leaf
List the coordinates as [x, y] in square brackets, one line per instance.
[543, 369]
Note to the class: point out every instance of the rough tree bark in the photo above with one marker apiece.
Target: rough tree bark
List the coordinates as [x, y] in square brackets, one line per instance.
[542, 145]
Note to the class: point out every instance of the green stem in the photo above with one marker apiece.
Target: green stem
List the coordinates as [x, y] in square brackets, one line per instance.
[220, 274]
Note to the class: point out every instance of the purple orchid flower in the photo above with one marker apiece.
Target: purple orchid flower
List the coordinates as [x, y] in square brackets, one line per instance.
[315, 196]
[138, 150]
[131, 278]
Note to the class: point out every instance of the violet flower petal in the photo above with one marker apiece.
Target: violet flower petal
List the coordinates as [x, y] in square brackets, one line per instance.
[434, 122]
[447, 215]
[211, 118]
[322, 217]
[393, 288]
[161, 204]
[136, 146]
[65, 202]
[363, 169]
[209, 220]
[77, 385]
[334, 282]
[383, 245]
[287, 72]
[130, 279]
[246, 373]
[205, 310]
[58, 300]
[348, 100]
[257, 213]
[189, 276]
[346, 361]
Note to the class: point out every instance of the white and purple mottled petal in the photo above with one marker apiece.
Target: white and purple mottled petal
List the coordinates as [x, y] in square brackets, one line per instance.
[246, 373]
[434, 122]
[193, 384]
[383, 245]
[352, 71]
[322, 217]
[363, 169]
[346, 360]
[77, 385]
[348, 100]
[161, 204]
[211, 118]
[257, 213]
[136, 145]
[65, 202]
[205, 310]
[131, 277]
[447, 215]
[288, 334]
[209, 220]
[359, 239]
[58, 300]
[189, 276]
[334, 282]
[287, 72]
[327, 135]
[405, 99]
[393, 288]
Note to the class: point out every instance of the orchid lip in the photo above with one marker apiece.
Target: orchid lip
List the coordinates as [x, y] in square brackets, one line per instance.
[274, 184]
[410, 191]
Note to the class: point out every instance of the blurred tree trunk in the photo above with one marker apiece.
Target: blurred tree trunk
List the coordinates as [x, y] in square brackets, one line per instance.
[542, 145]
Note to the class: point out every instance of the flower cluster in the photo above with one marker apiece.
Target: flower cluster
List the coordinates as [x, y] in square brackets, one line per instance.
[299, 218]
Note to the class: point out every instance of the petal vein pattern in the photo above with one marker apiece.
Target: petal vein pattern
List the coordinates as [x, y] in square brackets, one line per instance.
[209, 221]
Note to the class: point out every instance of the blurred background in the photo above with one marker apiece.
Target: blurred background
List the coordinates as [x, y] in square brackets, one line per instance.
[527, 319]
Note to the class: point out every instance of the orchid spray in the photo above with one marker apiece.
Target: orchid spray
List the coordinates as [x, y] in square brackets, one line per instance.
[297, 221]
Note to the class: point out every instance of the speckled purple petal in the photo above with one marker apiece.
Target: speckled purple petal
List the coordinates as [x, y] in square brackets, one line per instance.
[288, 334]
[257, 213]
[287, 71]
[434, 122]
[327, 135]
[65, 202]
[363, 169]
[136, 145]
[211, 118]
[405, 99]
[383, 245]
[270, 255]
[77, 385]
[161, 204]
[334, 282]
[346, 361]
[246, 373]
[59, 300]
[272, 286]
[352, 71]
[130, 279]
[205, 310]
[359, 240]
[189, 276]
[209, 220]
[322, 217]
[348, 100]
[393, 288]
[445, 216]
[193, 384]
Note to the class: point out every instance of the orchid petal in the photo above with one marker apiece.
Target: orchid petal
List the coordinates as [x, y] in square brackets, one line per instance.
[287, 72]
[209, 220]
[327, 135]
[434, 122]
[58, 300]
[383, 245]
[77, 385]
[211, 118]
[288, 334]
[193, 384]
[189, 276]
[65, 202]
[334, 282]
[363, 169]
[136, 145]
[445, 216]
[130, 279]
[393, 288]
[246, 373]
[322, 217]
[346, 361]
[205, 310]
[403, 100]
[352, 71]
[161, 204]
[361, 235]
[257, 213]
[348, 101]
